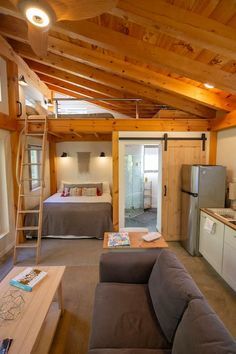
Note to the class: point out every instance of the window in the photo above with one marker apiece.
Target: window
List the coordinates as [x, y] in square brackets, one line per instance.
[34, 170]
[150, 158]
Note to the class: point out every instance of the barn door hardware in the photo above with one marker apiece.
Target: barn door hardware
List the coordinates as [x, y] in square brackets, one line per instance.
[166, 138]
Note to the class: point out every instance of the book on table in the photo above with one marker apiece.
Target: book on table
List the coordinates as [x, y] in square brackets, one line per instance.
[118, 239]
[27, 279]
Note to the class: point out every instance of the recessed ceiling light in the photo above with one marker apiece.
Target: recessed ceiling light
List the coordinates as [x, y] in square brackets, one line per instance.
[37, 17]
[209, 86]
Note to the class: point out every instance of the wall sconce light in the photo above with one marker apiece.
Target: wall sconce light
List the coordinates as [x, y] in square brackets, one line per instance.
[102, 154]
[22, 81]
[49, 103]
[64, 154]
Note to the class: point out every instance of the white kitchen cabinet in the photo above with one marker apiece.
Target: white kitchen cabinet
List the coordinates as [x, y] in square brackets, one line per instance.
[211, 244]
[229, 257]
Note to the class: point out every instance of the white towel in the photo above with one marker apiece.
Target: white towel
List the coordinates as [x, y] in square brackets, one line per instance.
[210, 226]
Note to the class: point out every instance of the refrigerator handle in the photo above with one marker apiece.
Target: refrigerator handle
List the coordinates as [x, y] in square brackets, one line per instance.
[165, 191]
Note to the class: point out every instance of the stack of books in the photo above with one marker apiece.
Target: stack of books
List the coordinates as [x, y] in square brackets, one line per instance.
[118, 239]
[27, 279]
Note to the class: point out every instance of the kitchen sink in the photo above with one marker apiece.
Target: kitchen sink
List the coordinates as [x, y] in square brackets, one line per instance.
[226, 213]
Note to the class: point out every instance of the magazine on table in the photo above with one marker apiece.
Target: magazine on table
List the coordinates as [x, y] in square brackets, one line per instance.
[27, 279]
[118, 239]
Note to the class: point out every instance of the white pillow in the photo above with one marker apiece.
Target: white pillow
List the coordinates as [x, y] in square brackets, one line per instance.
[89, 192]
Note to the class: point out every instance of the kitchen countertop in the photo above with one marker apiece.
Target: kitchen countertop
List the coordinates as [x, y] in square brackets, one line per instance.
[218, 217]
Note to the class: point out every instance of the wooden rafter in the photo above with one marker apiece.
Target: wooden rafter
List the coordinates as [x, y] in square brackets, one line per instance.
[225, 122]
[109, 125]
[75, 94]
[122, 68]
[180, 23]
[157, 56]
[114, 81]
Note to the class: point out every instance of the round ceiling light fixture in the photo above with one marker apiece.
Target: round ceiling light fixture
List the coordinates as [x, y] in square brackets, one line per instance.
[37, 17]
[208, 85]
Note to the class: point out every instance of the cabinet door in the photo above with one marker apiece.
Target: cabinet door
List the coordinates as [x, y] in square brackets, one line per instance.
[229, 258]
[211, 245]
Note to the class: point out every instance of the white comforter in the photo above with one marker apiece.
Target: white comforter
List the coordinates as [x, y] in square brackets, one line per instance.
[56, 198]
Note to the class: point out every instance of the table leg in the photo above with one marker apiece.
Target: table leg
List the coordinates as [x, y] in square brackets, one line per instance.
[60, 298]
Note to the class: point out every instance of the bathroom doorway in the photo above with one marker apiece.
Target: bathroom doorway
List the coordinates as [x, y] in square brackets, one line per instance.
[140, 184]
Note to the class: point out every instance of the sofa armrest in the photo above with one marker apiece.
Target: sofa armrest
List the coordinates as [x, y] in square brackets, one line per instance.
[127, 267]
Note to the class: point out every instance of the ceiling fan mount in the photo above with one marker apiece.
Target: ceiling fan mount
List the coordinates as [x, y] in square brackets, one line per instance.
[42, 14]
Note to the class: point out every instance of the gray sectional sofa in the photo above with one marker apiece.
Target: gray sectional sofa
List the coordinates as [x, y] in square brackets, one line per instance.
[147, 303]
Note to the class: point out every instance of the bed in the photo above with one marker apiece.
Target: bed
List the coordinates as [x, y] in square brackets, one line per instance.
[75, 216]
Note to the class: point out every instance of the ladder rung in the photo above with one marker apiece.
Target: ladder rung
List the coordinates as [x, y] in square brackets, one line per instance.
[36, 121]
[28, 211]
[29, 228]
[27, 245]
[32, 164]
[30, 195]
[34, 148]
[34, 134]
[31, 179]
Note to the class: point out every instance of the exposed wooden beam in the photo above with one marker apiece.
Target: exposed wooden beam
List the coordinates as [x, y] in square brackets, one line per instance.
[85, 137]
[225, 122]
[54, 76]
[73, 93]
[31, 78]
[122, 68]
[124, 85]
[213, 148]
[180, 23]
[77, 134]
[13, 88]
[140, 74]
[54, 134]
[138, 49]
[7, 123]
[108, 125]
[53, 166]
[115, 178]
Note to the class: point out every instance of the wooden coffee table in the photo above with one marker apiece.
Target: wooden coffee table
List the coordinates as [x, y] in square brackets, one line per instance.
[137, 243]
[31, 318]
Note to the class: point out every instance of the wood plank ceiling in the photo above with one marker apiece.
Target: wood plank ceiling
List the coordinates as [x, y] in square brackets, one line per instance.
[161, 52]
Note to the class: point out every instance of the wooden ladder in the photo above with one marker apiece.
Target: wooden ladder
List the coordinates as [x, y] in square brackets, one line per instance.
[24, 151]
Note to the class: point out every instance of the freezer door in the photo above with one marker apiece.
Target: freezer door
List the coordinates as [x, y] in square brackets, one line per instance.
[212, 185]
[189, 223]
[190, 178]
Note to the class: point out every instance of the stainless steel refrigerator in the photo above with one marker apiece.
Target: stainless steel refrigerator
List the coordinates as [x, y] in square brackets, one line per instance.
[203, 186]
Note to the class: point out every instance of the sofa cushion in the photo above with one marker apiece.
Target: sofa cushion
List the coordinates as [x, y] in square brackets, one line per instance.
[201, 331]
[129, 351]
[171, 288]
[124, 318]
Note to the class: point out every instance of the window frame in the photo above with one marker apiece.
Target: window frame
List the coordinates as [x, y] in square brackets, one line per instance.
[34, 185]
[150, 147]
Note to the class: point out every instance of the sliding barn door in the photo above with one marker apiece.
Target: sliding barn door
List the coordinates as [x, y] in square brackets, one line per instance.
[177, 154]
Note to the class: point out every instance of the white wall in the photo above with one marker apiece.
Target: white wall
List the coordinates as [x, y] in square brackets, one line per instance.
[3, 87]
[100, 167]
[7, 239]
[226, 152]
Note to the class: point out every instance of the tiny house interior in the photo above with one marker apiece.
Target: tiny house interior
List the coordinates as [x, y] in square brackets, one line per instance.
[118, 176]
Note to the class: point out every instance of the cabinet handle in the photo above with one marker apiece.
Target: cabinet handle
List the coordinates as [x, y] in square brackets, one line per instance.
[165, 191]
[19, 109]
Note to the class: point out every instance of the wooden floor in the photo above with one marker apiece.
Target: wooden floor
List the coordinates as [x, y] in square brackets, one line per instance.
[81, 258]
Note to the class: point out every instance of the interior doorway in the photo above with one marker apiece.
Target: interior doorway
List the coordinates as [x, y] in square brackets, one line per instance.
[140, 184]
